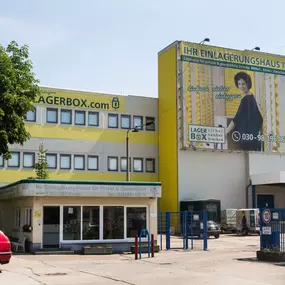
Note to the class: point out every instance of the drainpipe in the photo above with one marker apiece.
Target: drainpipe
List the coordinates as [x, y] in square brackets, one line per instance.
[246, 194]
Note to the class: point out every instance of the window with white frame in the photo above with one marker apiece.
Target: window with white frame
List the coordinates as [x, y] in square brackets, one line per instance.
[125, 121]
[14, 161]
[113, 222]
[31, 116]
[71, 223]
[93, 119]
[80, 118]
[28, 216]
[28, 159]
[17, 218]
[150, 165]
[51, 115]
[136, 221]
[65, 161]
[138, 164]
[51, 159]
[66, 117]
[112, 163]
[92, 162]
[138, 122]
[1, 161]
[123, 164]
[79, 162]
[91, 222]
[113, 121]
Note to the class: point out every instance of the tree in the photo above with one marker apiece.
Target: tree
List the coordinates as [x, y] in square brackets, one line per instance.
[41, 165]
[18, 91]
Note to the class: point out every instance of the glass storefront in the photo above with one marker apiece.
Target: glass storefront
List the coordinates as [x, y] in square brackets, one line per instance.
[86, 223]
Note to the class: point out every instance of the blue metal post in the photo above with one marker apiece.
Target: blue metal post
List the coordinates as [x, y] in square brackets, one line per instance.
[140, 242]
[205, 218]
[148, 241]
[191, 234]
[160, 230]
[186, 229]
[253, 193]
[167, 219]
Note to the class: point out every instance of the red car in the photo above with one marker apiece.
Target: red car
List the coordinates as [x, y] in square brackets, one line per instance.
[5, 249]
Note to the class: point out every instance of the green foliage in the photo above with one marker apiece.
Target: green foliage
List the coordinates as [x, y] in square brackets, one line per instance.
[41, 165]
[18, 91]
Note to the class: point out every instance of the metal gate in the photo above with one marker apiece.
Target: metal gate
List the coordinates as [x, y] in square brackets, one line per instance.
[182, 227]
[272, 229]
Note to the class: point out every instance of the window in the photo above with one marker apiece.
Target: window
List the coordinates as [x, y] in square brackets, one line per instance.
[113, 121]
[29, 160]
[138, 165]
[93, 119]
[136, 221]
[150, 123]
[125, 121]
[79, 162]
[65, 161]
[28, 216]
[1, 161]
[91, 223]
[123, 165]
[138, 122]
[51, 159]
[150, 165]
[66, 117]
[80, 118]
[52, 115]
[31, 116]
[92, 162]
[71, 223]
[14, 161]
[17, 219]
[113, 227]
[112, 163]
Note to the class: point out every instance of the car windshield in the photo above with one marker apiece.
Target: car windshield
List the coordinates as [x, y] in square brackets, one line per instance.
[211, 223]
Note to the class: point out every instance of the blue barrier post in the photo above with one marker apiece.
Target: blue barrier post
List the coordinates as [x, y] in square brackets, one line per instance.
[186, 229]
[160, 230]
[148, 242]
[191, 229]
[205, 227]
[167, 234]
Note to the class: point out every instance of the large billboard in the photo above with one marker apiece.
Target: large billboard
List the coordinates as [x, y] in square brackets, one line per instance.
[232, 100]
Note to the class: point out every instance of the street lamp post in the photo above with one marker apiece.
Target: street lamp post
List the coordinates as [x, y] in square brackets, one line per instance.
[132, 130]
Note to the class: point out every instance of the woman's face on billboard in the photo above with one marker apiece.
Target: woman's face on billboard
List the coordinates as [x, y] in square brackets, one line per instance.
[242, 86]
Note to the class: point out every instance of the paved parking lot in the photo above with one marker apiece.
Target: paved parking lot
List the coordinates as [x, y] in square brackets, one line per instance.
[230, 260]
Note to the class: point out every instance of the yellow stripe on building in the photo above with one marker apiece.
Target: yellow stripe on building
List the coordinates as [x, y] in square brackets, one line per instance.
[90, 134]
[8, 176]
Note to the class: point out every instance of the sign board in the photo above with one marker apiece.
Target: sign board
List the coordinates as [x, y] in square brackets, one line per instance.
[266, 216]
[81, 190]
[206, 134]
[230, 88]
[266, 230]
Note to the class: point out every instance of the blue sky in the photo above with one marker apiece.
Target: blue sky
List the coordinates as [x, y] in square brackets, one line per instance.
[111, 46]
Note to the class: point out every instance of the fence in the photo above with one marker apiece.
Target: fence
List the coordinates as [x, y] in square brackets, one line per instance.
[272, 229]
[179, 229]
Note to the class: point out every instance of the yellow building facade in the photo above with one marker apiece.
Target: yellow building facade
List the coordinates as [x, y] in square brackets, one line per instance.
[85, 137]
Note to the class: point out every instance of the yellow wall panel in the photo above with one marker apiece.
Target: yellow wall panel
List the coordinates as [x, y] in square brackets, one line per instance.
[8, 176]
[167, 129]
[92, 134]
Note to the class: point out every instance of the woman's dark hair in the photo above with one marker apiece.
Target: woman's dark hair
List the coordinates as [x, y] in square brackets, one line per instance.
[246, 77]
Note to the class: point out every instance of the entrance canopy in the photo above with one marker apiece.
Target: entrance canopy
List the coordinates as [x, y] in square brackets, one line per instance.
[268, 178]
